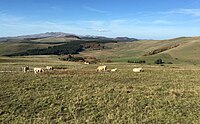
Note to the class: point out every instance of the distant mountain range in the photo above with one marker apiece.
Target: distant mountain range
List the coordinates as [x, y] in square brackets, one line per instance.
[67, 35]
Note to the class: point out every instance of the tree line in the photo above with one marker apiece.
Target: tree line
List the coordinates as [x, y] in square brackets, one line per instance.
[68, 48]
[73, 47]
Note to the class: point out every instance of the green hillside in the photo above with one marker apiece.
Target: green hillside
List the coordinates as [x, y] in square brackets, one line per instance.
[186, 50]
[10, 48]
[61, 39]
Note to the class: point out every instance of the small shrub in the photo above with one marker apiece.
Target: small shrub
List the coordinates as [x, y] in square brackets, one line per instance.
[72, 58]
[137, 61]
[159, 61]
[108, 61]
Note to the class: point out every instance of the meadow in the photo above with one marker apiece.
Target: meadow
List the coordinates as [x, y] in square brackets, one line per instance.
[75, 93]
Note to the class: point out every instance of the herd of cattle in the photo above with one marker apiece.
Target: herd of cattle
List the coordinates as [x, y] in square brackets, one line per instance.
[99, 69]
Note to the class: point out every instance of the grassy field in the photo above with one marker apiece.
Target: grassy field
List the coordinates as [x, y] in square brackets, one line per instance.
[78, 94]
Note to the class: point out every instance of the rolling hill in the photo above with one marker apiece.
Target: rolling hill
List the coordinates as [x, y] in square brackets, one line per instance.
[21, 44]
[177, 50]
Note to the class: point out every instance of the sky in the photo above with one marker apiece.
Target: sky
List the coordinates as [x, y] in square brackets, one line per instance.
[144, 19]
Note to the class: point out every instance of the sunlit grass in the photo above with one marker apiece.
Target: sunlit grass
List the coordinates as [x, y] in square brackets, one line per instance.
[78, 94]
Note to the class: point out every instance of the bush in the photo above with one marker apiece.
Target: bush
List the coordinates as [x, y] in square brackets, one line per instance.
[108, 61]
[137, 61]
[159, 61]
[72, 58]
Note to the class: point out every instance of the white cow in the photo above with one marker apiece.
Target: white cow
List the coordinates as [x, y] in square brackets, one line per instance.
[49, 68]
[137, 70]
[25, 69]
[101, 68]
[38, 70]
[113, 70]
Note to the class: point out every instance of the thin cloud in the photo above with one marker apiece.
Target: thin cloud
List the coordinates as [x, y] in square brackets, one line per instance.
[95, 10]
[4, 17]
[102, 30]
[55, 8]
[191, 12]
[162, 22]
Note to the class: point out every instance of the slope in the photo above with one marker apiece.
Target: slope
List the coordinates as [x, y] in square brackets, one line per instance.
[179, 50]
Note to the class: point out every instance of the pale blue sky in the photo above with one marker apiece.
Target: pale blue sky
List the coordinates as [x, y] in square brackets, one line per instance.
[146, 19]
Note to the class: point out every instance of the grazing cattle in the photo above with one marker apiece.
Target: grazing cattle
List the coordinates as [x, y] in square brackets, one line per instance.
[87, 63]
[38, 70]
[25, 69]
[49, 68]
[137, 70]
[113, 70]
[101, 68]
